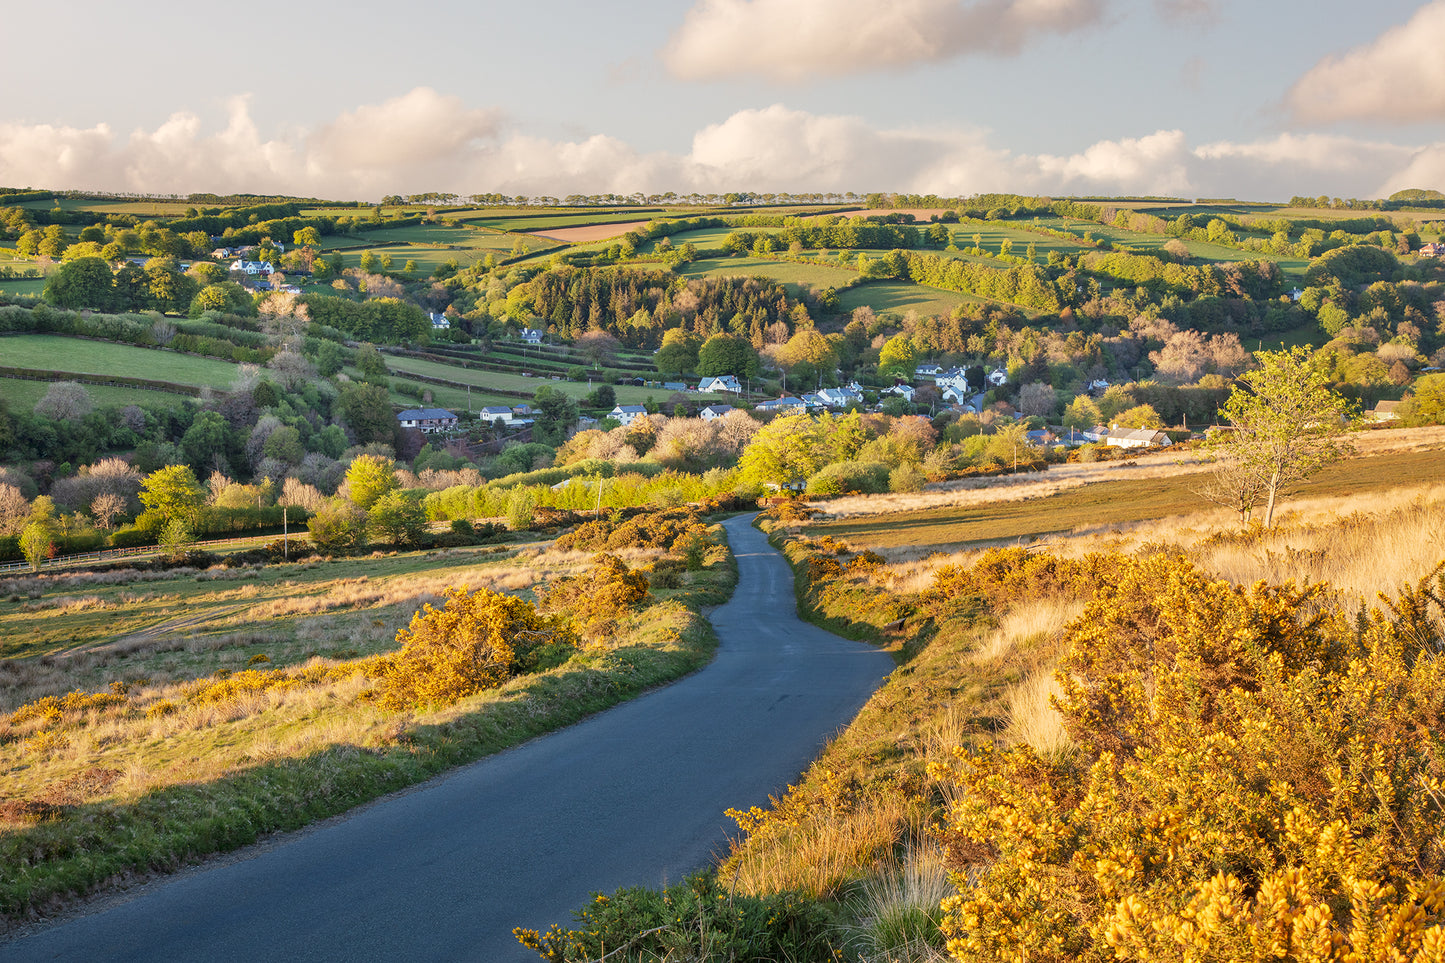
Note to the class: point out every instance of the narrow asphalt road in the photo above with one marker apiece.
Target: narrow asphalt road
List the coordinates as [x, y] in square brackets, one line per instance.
[633, 796]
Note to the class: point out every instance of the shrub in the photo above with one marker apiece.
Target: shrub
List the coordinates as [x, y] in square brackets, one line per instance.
[476, 641]
[339, 528]
[595, 601]
[1251, 764]
[906, 478]
[693, 920]
[850, 478]
[521, 509]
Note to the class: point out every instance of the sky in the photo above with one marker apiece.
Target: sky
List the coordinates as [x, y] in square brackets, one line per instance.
[1248, 99]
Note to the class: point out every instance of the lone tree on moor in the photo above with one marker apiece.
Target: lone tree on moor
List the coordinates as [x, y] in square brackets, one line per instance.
[1286, 423]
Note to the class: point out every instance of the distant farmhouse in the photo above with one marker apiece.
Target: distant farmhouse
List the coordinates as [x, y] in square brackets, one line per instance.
[428, 420]
[721, 383]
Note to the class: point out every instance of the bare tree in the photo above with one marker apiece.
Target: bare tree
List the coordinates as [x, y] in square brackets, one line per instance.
[291, 369]
[64, 401]
[106, 509]
[14, 510]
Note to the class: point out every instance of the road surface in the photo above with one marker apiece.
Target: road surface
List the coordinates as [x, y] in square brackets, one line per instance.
[632, 796]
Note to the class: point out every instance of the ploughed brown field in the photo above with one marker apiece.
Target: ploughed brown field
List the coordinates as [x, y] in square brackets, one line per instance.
[589, 232]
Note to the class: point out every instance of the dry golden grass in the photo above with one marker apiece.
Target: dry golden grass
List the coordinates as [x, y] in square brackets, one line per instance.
[981, 491]
[1032, 716]
[1028, 625]
[819, 856]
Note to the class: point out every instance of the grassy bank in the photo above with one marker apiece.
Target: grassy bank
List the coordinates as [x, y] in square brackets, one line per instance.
[196, 737]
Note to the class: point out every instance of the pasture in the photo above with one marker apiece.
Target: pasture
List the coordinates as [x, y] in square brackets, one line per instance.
[139, 208]
[49, 352]
[790, 273]
[19, 395]
[531, 223]
[28, 287]
[898, 297]
[484, 380]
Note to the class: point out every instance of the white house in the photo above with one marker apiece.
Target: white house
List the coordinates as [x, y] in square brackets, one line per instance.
[495, 413]
[712, 412]
[955, 379]
[428, 420]
[998, 377]
[1134, 438]
[814, 401]
[531, 335]
[439, 322]
[1384, 411]
[840, 397]
[721, 383]
[253, 267]
[781, 405]
[929, 370]
[905, 390]
[956, 393]
[627, 414]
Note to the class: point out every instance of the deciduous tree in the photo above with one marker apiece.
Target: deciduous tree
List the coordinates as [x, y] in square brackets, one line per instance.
[1285, 423]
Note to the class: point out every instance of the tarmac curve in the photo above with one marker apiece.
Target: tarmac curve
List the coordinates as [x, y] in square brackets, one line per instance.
[631, 796]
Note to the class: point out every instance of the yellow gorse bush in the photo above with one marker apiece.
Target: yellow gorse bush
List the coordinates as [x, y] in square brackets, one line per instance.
[476, 641]
[1258, 776]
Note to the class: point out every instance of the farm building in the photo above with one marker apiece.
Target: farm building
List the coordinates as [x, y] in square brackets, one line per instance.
[428, 420]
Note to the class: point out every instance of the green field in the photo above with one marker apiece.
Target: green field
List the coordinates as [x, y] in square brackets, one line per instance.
[140, 209]
[547, 223]
[27, 286]
[1105, 503]
[702, 238]
[790, 273]
[22, 395]
[429, 245]
[48, 352]
[901, 296]
[626, 394]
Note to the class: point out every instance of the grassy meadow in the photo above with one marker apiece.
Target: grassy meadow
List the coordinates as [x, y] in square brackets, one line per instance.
[56, 353]
[20, 395]
[209, 707]
[626, 394]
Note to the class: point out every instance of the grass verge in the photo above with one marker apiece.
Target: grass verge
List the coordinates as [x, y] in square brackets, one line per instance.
[146, 778]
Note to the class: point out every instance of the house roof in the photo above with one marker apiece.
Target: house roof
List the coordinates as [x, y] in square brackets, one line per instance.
[717, 409]
[424, 414]
[1134, 434]
[631, 409]
[496, 410]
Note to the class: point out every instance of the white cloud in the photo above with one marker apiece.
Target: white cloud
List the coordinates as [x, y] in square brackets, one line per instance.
[1203, 12]
[424, 141]
[1398, 77]
[795, 40]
